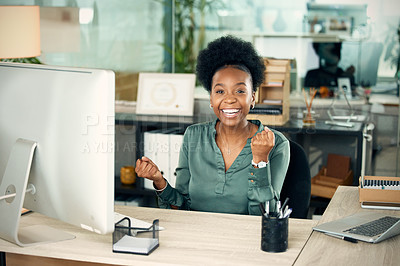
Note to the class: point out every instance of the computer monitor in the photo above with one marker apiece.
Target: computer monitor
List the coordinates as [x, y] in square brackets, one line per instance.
[56, 136]
[363, 56]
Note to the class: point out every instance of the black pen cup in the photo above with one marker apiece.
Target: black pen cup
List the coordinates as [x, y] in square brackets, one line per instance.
[274, 233]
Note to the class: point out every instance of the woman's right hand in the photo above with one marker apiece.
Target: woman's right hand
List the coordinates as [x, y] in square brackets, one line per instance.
[147, 169]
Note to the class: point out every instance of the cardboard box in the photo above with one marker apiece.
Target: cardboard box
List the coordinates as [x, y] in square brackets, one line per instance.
[325, 186]
[336, 173]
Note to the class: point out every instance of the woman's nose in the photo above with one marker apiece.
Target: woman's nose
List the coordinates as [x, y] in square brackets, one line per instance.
[229, 98]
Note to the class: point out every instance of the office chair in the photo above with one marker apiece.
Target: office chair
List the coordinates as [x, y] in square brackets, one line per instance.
[297, 184]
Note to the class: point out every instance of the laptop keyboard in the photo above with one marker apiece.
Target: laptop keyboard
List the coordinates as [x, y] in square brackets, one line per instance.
[375, 227]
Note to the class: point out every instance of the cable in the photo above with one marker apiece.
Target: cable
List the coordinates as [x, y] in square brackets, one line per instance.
[8, 196]
[30, 189]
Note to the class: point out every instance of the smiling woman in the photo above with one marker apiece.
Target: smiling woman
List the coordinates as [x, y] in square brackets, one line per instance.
[231, 164]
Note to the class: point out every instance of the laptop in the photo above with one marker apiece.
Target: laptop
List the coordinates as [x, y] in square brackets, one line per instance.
[370, 227]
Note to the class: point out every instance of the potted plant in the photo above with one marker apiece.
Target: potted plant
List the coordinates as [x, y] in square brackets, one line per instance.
[188, 34]
[29, 60]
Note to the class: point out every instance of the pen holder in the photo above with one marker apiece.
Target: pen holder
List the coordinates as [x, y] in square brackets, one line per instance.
[274, 233]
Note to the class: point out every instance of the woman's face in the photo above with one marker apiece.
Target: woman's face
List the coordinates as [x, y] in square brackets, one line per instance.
[231, 95]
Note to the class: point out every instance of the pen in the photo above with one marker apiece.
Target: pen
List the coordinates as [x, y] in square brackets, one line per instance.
[286, 208]
[284, 204]
[262, 208]
[287, 213]
[345, 238]
[278, 208]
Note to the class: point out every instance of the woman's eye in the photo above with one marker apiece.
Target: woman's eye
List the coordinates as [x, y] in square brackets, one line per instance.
[219, 91]
[241, 91]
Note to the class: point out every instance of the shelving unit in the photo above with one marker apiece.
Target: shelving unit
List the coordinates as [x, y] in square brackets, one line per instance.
[272, 99]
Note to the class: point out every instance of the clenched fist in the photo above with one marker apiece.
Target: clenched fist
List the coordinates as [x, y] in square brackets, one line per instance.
[147, 169]
[262, 144]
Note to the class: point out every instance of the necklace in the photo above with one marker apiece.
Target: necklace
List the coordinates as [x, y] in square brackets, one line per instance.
[229, 149]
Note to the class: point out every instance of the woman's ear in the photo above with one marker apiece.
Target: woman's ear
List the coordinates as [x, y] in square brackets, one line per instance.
[253, 99]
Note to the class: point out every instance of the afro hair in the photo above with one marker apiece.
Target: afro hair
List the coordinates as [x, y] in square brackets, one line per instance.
[225, 51]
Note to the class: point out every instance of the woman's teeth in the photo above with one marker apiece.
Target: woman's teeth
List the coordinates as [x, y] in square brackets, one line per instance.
[230, 111]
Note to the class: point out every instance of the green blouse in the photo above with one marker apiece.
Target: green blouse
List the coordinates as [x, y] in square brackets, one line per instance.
[203, 185]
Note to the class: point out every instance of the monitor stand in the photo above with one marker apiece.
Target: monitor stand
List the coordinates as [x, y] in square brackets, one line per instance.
[15, 181]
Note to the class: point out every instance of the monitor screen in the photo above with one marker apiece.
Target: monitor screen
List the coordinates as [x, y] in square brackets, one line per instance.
[326, 62]
[69, 114]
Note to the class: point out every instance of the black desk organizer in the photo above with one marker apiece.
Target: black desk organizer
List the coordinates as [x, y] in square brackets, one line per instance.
[135, 240]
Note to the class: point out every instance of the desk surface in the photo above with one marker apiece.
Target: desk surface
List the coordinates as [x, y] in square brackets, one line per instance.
[190, 238]
[324, 250]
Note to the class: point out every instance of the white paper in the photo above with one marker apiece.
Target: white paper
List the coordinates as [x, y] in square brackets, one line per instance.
[135, 244]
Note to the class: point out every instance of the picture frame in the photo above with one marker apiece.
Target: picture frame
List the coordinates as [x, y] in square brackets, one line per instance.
[166, 94]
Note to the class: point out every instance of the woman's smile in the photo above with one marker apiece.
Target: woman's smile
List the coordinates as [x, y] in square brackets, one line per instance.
[230, 112]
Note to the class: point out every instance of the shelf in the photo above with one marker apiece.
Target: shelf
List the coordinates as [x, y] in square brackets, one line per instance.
[263, 105]
[271, 86]
[278, 71]
[317, 37]
[271, 120]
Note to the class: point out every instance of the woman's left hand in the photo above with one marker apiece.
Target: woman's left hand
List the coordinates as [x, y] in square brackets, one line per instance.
[262, 144]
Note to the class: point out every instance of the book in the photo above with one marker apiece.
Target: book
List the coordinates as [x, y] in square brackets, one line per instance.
[272, 101]
[274, 82]
[266, 111]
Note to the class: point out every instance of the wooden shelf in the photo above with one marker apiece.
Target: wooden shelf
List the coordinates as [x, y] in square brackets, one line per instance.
[269, 104]
[277, 71]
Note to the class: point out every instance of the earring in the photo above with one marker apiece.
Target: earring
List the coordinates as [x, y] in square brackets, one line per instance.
[252, 106]
[211, 106]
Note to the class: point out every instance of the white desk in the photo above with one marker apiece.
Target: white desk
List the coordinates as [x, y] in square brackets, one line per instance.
[190, 238]
[324, 250]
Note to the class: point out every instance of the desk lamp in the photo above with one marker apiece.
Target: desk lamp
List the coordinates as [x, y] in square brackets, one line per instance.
[19, 31]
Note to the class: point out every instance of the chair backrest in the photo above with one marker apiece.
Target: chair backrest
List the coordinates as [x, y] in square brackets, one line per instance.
[297, 184]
